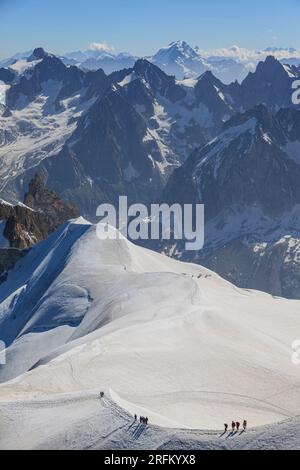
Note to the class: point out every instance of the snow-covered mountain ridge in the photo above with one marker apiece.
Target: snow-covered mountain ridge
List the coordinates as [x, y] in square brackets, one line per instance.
[122, 133]
[87, 314]
[178, 58]
[95, 137]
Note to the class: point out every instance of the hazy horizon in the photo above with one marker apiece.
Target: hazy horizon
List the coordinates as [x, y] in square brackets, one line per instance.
[141, 29]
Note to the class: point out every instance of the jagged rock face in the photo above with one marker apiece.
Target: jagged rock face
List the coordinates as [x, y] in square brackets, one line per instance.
[127, 132]
[271, 85]
[46, 76]
[223, 100]
[38, 53]
[250, 164]
[45, 101]
[8, 258]
[49, 76]
[110, 138]
[6, 75]
[31, 223]
[289, 120]
[6, 209]
[122, 134]
[42, 199]
[107, 156]
[247, 179]
[271, 267]
[50, 68]
[131, 138]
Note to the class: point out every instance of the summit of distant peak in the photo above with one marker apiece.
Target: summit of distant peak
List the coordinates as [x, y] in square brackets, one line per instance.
[181, 44]
[269, 64]
[179, 48]
[38, 53]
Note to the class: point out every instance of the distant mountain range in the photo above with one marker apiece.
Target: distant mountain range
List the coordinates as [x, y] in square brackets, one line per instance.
[179, 59]
[141, 132]
[248, 179]
[93, 331]
[96, 135]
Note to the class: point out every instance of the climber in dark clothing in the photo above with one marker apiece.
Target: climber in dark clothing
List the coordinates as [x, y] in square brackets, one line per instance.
[226, 427]
[238, 425]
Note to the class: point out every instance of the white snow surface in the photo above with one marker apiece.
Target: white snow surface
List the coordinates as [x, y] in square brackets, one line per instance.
[37, 130]
[3, 90]
[128, 79]
[23, 65]
[163, 338]
[84, 421]
[187, 82]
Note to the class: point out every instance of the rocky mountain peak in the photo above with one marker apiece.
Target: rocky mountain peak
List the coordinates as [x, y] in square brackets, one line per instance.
[141, 66]
[148, 70]
[271, 61]
[289, 119]
[269, 84]
[42, 199]
[208, 78]
[183, 47]
[268, 67]
[264, 117]
[176, 50]
[38, 53]
[153, 75]
[37, 184]
[41, 213]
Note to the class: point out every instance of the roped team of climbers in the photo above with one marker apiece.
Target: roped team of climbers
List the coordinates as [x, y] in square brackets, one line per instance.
[236, 425]
[143, 420]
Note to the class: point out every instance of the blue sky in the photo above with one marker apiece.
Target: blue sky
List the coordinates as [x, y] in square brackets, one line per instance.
[142, 26]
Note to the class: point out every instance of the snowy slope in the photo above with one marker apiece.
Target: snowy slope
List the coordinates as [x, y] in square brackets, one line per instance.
[83, 421]
[36, 132]
[173, 339]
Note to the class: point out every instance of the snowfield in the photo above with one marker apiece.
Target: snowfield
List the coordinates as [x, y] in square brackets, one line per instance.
[36, 131]
[165, 339]
[84, 421]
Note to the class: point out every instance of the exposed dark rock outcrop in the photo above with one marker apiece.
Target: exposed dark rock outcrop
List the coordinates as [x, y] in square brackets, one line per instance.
[248, 180]
[129, 130]
[41, 199]
[272, 267]
[23, 225]
[8, 258]
[42, 212]
[38, 53]
[6, 75]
